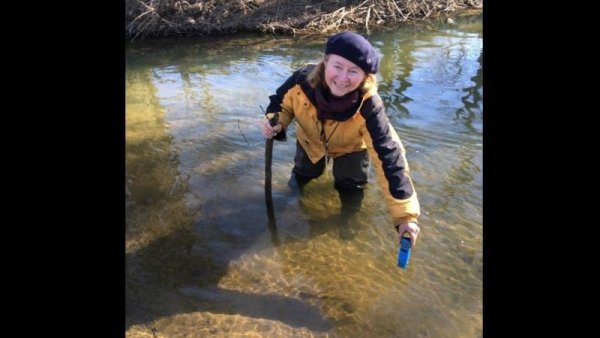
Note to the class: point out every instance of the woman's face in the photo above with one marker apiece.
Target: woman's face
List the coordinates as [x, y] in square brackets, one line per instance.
[341, 75]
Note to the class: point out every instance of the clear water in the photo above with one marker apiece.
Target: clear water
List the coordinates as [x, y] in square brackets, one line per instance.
[200, 259]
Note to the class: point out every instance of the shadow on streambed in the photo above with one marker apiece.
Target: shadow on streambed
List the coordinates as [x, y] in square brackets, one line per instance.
[179, 273]
[290, 311]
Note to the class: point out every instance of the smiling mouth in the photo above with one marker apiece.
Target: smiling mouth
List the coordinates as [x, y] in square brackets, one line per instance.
[340, 86]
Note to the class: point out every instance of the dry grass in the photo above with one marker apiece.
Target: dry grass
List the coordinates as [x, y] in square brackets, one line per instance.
[155, 18]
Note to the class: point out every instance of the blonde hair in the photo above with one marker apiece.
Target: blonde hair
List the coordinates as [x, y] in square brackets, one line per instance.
[317, 77]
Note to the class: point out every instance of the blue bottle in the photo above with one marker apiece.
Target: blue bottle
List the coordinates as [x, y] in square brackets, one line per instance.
[404, 252]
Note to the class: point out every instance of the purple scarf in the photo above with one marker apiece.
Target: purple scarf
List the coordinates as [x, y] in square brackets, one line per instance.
[331, 107]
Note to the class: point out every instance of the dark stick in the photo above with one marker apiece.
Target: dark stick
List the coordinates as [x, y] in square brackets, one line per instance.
[268, 194]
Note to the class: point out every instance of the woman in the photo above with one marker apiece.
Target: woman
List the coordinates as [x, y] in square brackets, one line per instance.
[340, 116]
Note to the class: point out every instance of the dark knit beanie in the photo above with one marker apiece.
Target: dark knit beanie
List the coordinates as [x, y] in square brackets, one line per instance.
[355, 48]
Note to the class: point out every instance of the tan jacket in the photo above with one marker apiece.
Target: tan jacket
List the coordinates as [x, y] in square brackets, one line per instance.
[293, 101]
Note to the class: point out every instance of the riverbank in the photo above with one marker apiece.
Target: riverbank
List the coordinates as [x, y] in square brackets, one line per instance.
[180, 18]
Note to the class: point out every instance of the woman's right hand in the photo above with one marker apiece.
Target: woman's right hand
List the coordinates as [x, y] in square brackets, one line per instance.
[412, 229]
[268, 131]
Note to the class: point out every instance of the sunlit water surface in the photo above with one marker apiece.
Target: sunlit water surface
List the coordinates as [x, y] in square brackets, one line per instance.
[200, 259]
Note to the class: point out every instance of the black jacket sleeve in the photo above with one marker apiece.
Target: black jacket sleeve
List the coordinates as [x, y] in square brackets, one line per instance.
[297, 77]
[388, 150]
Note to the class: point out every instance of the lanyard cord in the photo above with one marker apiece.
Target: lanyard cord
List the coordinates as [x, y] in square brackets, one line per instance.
[327, 139]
